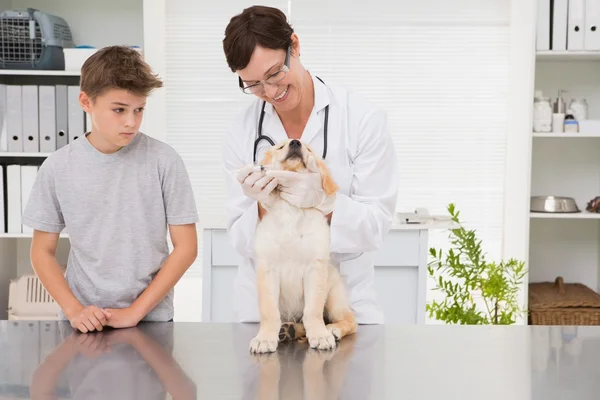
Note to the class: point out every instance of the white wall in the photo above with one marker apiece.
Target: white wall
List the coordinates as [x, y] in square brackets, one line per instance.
[454, 76]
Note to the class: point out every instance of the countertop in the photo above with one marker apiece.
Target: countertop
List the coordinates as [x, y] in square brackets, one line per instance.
[216, 222]
[211, 361]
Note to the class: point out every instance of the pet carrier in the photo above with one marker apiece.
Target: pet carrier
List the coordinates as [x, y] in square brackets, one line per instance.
[29, 300]
[33, 40]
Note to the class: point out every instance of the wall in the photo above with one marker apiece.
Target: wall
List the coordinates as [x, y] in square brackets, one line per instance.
[442, 71]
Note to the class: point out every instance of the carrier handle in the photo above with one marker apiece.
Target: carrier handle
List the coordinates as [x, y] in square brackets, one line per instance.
[560, 284]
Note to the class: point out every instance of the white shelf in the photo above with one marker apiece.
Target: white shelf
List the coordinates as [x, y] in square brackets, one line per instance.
[580, 215]
[33, 72]
[566, 135]
[18, 154]
[568, 55]
[24, 235]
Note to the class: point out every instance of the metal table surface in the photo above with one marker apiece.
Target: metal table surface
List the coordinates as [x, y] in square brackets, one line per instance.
[43, 360]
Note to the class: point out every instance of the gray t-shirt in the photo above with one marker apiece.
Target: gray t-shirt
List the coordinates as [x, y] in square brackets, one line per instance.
[115, 208]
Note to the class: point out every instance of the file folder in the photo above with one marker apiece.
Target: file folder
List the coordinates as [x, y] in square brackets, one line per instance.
[13, 187]
[592, 25]
[62, 124]
[76, 117]
[3, 117]
[576, 35]
[31, 123]
[543, 25]
[47, 110]
[560, 9]
[28, 175]
[88, 123]
[14, 121]
[2, 200]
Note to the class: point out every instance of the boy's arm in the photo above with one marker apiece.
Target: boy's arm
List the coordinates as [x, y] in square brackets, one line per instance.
[43, 261]
[43, 213]
[185, 251]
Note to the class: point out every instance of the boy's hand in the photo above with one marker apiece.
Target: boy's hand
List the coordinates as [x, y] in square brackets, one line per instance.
[122, 317]
[89, 319]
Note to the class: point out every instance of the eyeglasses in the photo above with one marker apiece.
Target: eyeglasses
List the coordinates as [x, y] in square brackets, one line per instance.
[272, 79]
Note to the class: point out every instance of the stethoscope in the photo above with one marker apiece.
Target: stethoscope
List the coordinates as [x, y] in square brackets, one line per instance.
[260, 136]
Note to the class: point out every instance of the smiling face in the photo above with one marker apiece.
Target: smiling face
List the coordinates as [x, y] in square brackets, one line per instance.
[116, 116]
[284, 90]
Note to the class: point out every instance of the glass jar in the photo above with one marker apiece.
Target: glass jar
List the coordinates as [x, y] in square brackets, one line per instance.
[580, 109]
[542, 115]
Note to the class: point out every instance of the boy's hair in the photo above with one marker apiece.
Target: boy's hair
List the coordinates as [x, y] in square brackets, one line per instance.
[257, 25]
[117, 67]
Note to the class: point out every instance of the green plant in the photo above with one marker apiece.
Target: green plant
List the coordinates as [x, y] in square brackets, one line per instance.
[464, 276]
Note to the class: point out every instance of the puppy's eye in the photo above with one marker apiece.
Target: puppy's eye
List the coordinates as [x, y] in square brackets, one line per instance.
[280, 147]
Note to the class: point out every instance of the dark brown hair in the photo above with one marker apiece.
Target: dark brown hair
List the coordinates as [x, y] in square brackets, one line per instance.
[257, 25]
[117, 67]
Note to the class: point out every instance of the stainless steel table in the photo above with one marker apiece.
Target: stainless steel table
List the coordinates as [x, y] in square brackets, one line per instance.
[43, 360]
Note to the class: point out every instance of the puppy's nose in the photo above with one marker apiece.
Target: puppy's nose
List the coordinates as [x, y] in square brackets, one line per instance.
[295, 143]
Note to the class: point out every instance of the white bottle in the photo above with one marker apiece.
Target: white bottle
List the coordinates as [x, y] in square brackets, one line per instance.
[542, 113]
[579, 108]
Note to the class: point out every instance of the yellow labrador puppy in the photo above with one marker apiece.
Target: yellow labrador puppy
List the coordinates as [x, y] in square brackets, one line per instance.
[296, 282]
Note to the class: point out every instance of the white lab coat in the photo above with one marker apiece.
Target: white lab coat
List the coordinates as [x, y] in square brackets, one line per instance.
[362, 160]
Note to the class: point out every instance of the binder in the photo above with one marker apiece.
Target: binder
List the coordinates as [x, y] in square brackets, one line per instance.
[75, 112]
[592, 25]
[543, 25]
[13, 187]
[2, 200]
[576, 35]
[559, 24]
[62, 124]
[31, 123]
[14, 121]
[3, 117]
[88, 123]
[47, 110]
[28, 175]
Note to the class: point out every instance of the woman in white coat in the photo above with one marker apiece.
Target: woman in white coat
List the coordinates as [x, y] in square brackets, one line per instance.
[352, 135]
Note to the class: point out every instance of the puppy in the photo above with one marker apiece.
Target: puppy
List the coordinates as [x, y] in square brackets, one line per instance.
[296, 283]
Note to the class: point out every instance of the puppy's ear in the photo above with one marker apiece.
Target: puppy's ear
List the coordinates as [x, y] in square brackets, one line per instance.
[268, 157]
[329, 185]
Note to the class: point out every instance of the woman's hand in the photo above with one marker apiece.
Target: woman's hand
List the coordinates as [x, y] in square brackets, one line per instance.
[304, 190]
[257, 185]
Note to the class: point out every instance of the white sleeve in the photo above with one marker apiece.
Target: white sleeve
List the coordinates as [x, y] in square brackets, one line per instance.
[242, 211]
[361, 221]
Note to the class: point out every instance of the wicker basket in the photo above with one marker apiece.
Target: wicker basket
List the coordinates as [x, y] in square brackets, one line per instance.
[559, 303]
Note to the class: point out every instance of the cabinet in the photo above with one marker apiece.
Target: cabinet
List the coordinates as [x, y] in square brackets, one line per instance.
[400, 274]
[567, 164]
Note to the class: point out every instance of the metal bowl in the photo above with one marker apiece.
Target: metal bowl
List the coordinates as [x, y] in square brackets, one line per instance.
[553, 204]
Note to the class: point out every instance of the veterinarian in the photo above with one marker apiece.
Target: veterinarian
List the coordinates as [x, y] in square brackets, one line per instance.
[350, 133]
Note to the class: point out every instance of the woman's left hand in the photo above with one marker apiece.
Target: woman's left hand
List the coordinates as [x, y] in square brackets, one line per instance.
[303, 190]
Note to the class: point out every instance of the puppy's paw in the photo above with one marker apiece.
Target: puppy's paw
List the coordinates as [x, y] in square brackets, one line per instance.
[287, 332]
[335, 331]
[321, 339]
[264, 343]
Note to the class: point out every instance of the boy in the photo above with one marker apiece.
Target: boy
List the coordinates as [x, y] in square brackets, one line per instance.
[115, 190]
